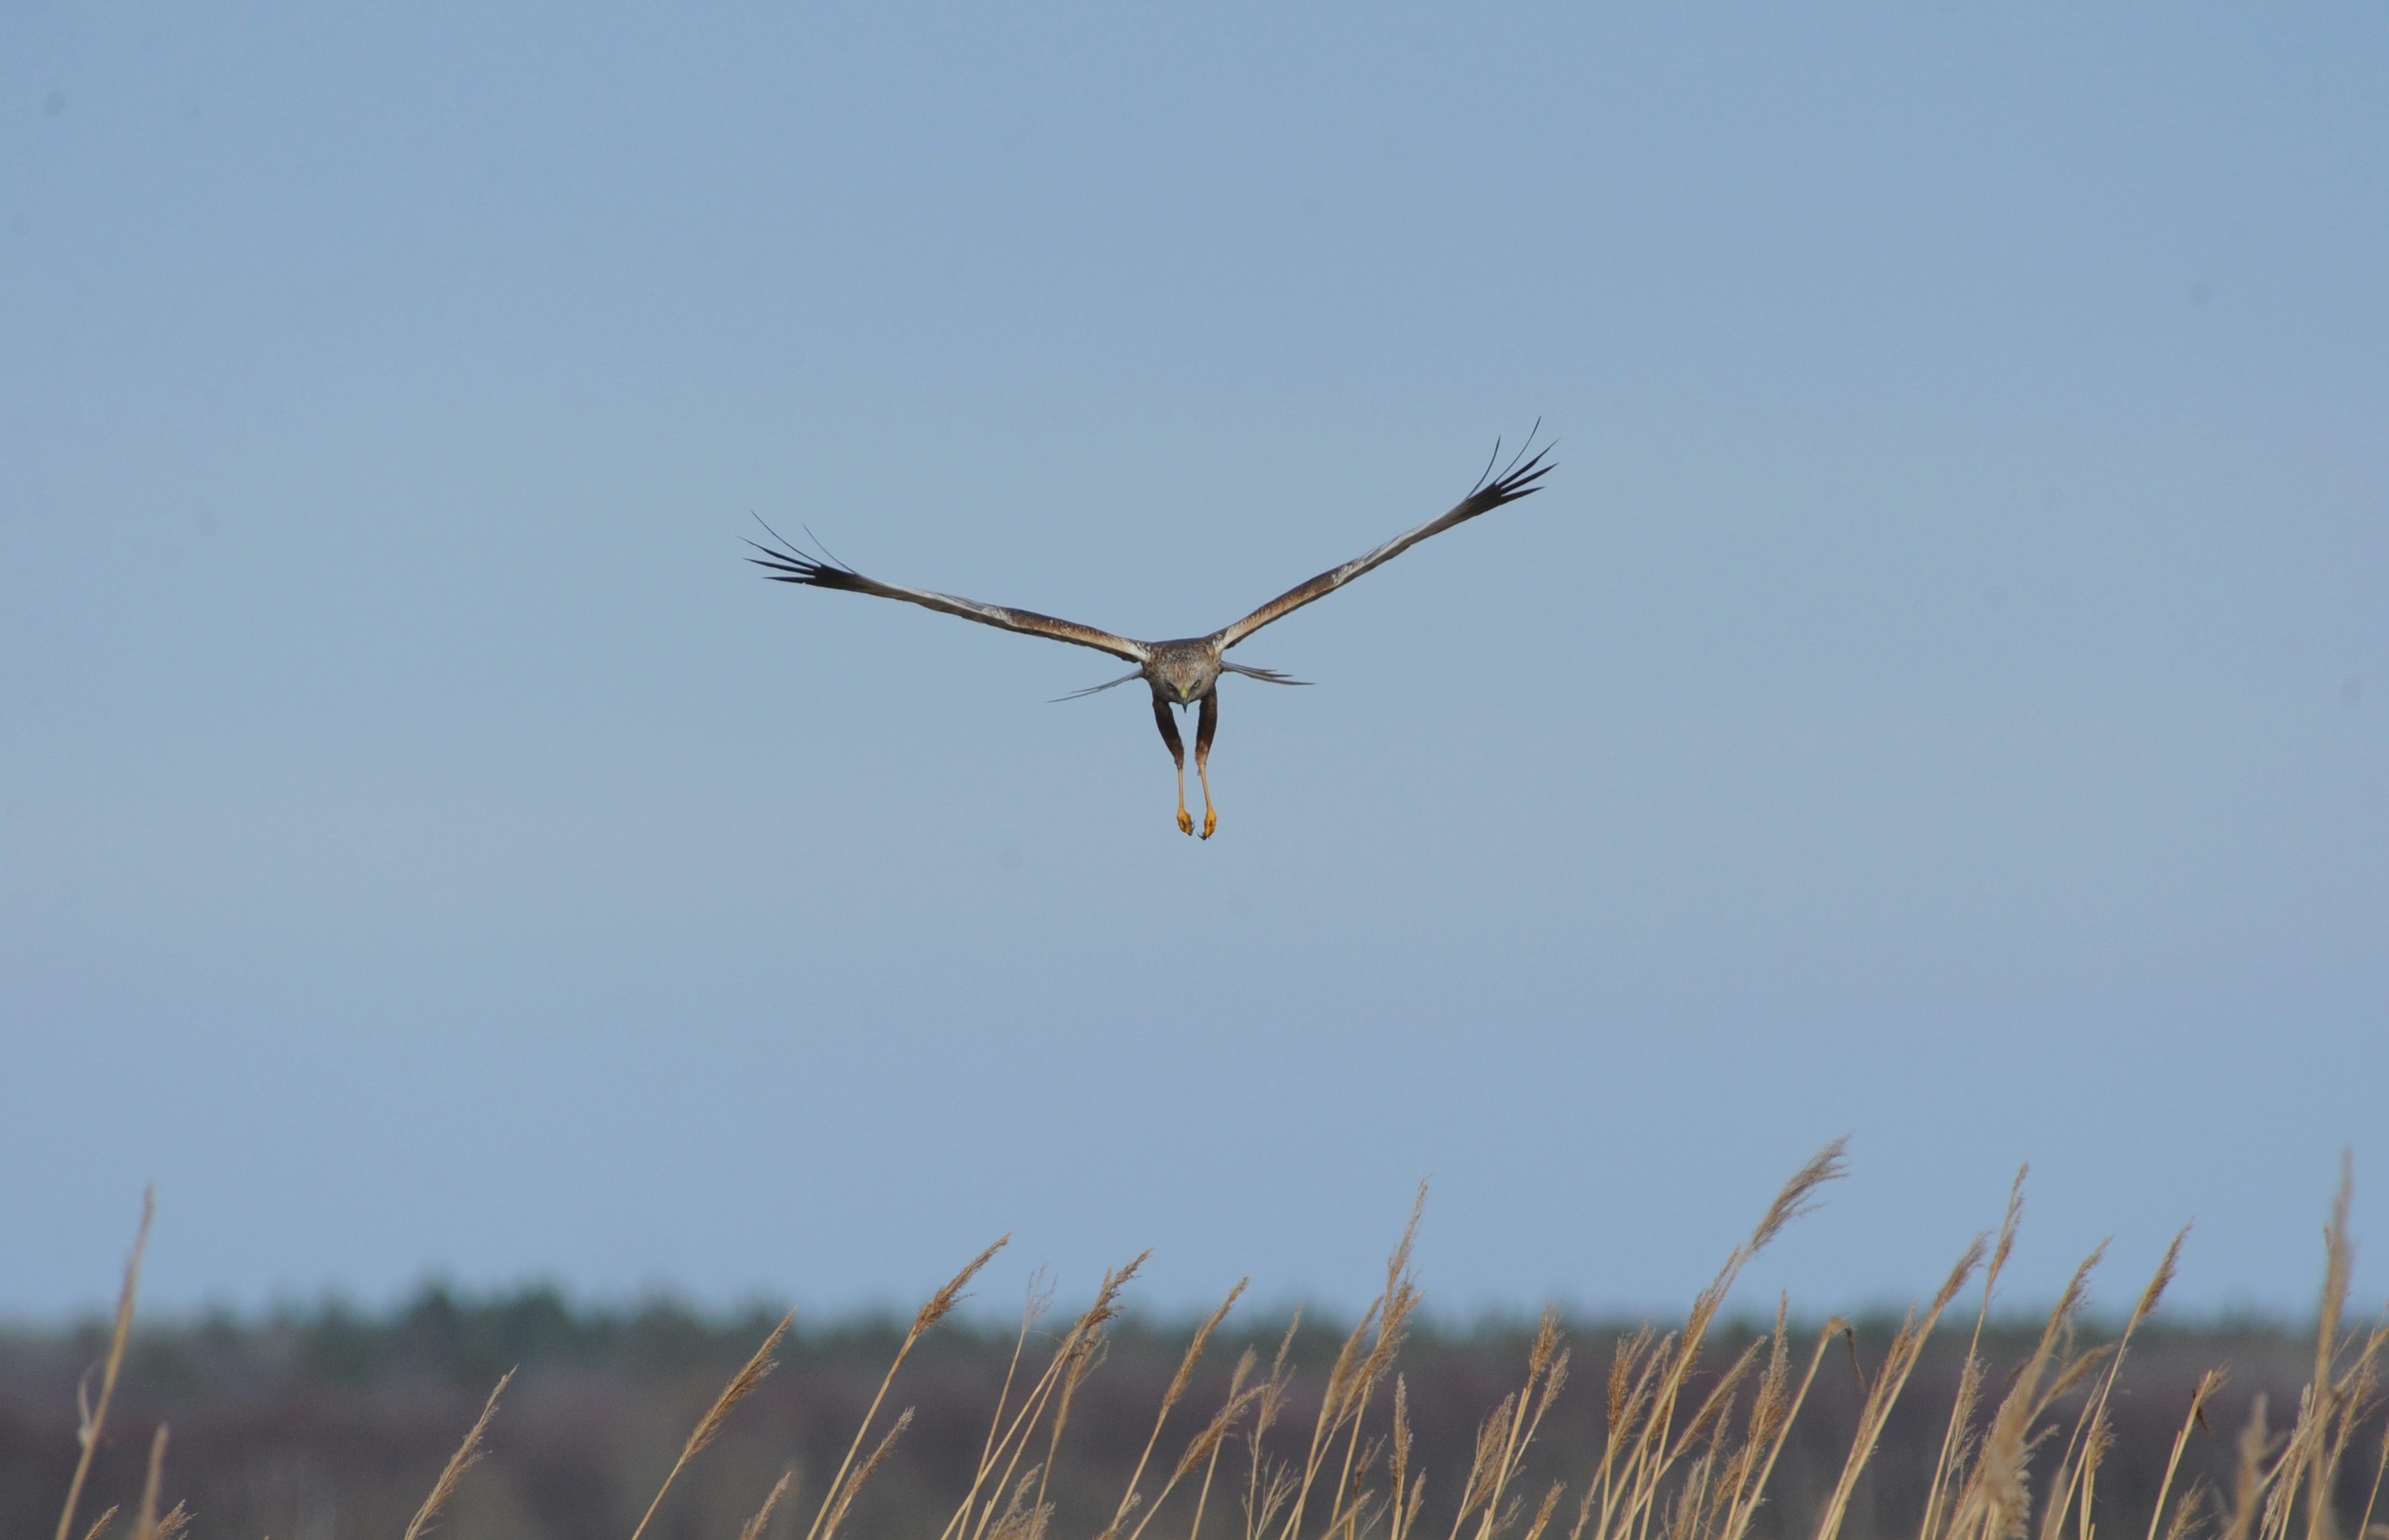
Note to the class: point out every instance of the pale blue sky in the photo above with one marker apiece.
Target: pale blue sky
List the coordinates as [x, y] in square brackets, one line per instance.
[1942, 697]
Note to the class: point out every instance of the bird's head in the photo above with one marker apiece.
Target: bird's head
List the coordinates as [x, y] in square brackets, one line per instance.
[1186, 674]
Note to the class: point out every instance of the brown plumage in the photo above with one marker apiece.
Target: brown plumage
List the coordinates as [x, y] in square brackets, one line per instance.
[1186, 671]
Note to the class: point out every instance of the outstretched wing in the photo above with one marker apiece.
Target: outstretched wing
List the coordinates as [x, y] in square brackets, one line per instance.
[1516, 481]
[787, 564]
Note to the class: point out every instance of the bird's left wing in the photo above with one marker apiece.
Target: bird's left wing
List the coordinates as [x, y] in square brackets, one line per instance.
[787, 565]
[1515, 481]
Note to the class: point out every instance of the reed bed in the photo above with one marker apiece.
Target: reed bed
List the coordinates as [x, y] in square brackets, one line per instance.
[1691, 1435]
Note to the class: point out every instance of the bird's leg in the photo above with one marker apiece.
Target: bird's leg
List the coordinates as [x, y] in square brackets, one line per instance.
[1178, 753]
[1204, 726]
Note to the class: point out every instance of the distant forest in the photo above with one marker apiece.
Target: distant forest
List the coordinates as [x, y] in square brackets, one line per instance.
[333, 1423]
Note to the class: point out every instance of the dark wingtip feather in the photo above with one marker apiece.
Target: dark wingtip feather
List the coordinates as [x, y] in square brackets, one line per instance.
[780, 567]
[1518, 477]
[786, 564]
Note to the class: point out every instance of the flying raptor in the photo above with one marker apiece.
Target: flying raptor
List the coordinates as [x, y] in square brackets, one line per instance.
[1184, 673]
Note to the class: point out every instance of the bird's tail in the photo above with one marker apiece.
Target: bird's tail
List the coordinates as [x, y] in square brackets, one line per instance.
[1267, 676]
[1097, 688]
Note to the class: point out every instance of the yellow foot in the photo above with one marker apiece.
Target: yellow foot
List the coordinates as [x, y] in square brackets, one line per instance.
[1186, 824]
[1210, 822]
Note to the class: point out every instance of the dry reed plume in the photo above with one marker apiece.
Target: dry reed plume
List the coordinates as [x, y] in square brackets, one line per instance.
[1687, 1452]
[468, 1455]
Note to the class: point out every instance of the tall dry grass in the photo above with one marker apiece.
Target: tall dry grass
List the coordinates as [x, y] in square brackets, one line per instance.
[1687, 1450]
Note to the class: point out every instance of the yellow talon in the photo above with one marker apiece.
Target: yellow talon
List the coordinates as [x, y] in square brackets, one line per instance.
[1186, 824]
[1210, 821]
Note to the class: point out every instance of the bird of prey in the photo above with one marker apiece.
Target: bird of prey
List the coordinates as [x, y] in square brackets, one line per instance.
[1184, 673]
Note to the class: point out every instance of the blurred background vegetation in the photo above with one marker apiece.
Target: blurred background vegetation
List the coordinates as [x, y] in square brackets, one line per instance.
[331, 1422]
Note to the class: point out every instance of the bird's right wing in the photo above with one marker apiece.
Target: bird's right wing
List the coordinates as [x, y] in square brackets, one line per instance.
[784, 564]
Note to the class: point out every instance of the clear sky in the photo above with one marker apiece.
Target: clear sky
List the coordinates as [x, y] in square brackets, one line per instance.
[1943, 696]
